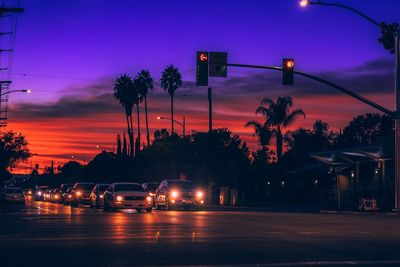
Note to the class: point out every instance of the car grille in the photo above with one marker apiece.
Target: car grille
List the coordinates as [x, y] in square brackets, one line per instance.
[187, 194]
[133, 198]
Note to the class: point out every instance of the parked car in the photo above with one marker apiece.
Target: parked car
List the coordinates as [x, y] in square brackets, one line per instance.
[127, 196]
[97, 195]
[151, 188]
[39, 192]
[178, 193]
[12, 196]
[68, 196]
[81, 193]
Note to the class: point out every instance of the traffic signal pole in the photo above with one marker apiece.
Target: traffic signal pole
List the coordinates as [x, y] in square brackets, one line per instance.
[331, 84]
[397, 124]
[209, 109]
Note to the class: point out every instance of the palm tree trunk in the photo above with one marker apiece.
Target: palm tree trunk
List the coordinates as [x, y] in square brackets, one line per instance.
[147, 122]
[172, 113]
[138, 125]
[132, 139]
[279, 144]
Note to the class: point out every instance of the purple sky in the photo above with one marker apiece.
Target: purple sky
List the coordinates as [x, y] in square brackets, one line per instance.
[71, 52]
[88, 39]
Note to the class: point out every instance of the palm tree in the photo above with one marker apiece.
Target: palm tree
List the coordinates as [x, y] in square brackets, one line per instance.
[145, 82]
[171, 80]
[124, 92]
[262, 131]
[138, 99]
[278, 115]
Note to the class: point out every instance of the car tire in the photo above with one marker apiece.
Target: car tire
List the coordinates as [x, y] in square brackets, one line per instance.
[149, 210]
[139, 210]
[74, 204]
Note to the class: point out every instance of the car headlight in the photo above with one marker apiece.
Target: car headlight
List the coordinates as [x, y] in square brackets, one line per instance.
[149, 199]
[78, 193]
[174, 194]
[101, 196]
[199, 194]
[39, 193]
[119, 198]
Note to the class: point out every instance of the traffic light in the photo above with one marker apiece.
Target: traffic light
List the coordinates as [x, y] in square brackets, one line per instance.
[287, 71]
[218, 64]
[202, 68]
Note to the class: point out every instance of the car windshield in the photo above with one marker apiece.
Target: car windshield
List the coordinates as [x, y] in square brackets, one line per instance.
[103, 187]
[184, 185]
[85, 186]
[128, 187]
[65, 186]
[13, 190]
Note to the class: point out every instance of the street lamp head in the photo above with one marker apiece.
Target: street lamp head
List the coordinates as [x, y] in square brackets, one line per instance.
[158, 118]
[28, 91]
[304, 3]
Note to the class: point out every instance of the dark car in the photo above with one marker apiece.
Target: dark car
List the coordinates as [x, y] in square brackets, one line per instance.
[178, 193]
[39, 192]
[13, 196]
[68, 196]
[81, 193]
[56, 196]
[63, 189]
[97, 195]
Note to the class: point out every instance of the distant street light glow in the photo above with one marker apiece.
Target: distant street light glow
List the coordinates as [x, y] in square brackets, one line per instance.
[304, 3]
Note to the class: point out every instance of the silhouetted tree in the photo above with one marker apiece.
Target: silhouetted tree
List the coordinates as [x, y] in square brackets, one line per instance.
[125, 92]
[171, 80]
[364, 129]
[278, 116]
[138, 100]
[262, 131]
[144, 84]
[13, 150]
[388, 32]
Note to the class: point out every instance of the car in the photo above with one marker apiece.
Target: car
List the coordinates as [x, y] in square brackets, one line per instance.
[97, 195]
[127, 196]
[63, 188]
[68, 196]
[55, 196]
[81, 193]
[39, 192]
[13, 196]
[151, 187]
[178, 193]
[28, 192]
[47, 194]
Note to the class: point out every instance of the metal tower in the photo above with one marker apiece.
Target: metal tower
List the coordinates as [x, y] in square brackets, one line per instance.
[9, 11]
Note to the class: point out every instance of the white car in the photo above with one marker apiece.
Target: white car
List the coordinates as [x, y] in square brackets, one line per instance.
[127, 196]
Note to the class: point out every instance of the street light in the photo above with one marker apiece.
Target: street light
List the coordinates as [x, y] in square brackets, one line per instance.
[15, 91]
[183, 123]
[103, 148]
[396, 114]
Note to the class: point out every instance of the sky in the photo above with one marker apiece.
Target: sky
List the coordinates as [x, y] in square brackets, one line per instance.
[70, 52]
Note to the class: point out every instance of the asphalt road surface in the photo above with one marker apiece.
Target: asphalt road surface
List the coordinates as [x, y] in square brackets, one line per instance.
[46, 234]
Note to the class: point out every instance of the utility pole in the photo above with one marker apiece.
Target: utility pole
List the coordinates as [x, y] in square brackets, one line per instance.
[397, 124]
[209, 109]
[5, 85]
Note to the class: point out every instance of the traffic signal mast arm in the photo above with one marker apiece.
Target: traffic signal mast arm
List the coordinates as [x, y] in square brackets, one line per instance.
[318, 79]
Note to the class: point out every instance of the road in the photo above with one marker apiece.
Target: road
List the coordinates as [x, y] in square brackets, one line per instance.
[46, 234]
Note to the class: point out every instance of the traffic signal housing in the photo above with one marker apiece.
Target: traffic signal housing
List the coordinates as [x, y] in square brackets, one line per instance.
[287, 71]
[202, 68]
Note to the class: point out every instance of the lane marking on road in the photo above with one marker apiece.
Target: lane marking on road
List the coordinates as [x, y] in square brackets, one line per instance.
[308, 233]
